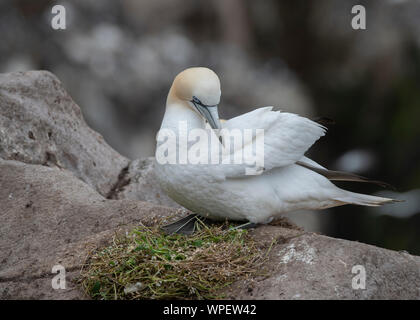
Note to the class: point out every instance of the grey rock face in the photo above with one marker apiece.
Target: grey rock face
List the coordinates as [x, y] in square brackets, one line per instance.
[44, 212]
[140, 183]
[64, 192]
[41, 124]
[306, 265]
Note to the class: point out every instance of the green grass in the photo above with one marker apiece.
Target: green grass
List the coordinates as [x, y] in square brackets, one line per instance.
[147, 264]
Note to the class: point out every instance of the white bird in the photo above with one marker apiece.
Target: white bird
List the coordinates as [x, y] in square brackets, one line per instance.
[289, 180]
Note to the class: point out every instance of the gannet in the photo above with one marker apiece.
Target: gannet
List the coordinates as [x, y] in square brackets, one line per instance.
[288, 181]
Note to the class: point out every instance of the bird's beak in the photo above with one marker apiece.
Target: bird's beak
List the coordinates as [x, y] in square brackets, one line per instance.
[209, 113]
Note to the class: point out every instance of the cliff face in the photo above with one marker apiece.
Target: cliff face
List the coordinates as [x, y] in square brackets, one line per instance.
[65, 192]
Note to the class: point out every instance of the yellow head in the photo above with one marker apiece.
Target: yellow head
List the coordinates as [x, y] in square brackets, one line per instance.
[199, 88]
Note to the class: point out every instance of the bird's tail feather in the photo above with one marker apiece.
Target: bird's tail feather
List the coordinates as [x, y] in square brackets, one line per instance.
[364, 199]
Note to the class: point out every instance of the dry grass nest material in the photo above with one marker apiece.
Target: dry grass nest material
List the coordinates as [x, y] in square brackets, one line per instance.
[147, 264]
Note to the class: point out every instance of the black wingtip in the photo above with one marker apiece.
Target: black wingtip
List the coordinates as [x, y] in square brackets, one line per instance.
[384, 185]
[324, 121]
[397, 200]
[344, 176]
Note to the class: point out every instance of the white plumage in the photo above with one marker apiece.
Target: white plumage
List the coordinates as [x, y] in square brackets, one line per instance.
[224, 191]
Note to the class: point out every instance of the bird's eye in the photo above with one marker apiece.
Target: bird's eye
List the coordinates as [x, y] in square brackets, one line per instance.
[196, 100]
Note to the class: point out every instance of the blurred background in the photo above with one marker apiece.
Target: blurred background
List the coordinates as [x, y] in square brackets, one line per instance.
[118, 59]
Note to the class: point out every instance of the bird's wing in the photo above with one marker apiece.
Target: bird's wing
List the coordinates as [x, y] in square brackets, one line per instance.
[286, 136]
[338, 175]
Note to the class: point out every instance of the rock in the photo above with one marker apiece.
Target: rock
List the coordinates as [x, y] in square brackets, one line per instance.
[140, 183]
[50, 217]
[41, 124]
[306, 265]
